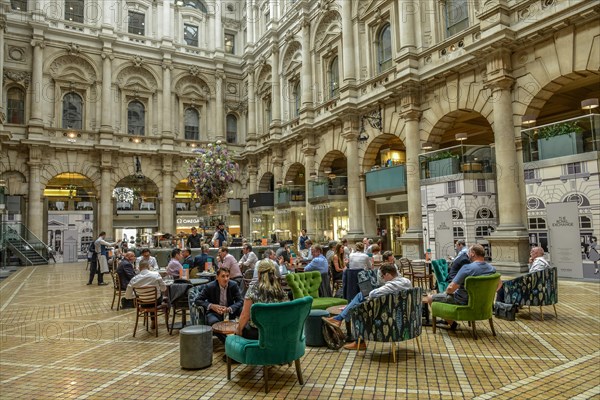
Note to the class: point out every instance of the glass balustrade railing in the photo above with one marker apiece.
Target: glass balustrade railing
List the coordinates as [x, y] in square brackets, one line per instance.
[466, 159]
[322, 189]
[14, 231]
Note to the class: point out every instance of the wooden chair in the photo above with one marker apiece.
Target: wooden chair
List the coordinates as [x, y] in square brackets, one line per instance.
[146, 304]
[405, 268]
[116, 290]
[421, 277]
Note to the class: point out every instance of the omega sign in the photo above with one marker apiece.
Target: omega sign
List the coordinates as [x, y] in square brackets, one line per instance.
[188, 221]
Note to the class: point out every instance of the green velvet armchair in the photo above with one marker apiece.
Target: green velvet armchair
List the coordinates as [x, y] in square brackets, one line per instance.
[280, 337]
[307, 284]
[440, 269]
[482, 292]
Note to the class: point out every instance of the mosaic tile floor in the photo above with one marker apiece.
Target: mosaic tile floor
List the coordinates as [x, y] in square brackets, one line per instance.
[60, 339]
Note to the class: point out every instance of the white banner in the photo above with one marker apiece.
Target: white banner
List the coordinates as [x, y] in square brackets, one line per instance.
[563, 232]
[444, 237]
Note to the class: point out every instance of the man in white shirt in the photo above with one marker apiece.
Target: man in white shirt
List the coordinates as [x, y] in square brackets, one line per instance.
[393, 284]
[152, 264]
[249, 259]
[146, 278]
[537, 262]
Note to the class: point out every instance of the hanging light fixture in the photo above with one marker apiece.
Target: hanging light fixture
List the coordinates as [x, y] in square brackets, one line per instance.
[426, 146]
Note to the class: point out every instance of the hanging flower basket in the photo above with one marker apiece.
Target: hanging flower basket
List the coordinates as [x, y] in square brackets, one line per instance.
[211, 172]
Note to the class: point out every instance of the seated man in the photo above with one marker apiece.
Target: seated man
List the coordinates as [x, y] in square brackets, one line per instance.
[456, 293]
[277, 262]
[461, 259]
[152, 264]
[318, 262]
[249, 259]
[226, 260]
[537, 263]
[126, 273]
[393, 284]
[201, 259]
[219, 297]
[146, 278]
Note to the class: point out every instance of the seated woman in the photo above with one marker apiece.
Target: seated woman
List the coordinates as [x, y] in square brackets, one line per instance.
[338, 262]
[265, 290]
[174, 267]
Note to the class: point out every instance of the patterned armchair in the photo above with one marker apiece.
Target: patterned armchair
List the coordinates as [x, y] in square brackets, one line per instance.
[535, 289]
[391, 318]
[197, 312]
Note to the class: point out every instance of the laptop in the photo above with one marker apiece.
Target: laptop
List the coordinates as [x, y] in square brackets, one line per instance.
[366, 287]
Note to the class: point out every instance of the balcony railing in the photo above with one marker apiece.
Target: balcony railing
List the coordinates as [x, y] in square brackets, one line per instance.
[568, 137]
[261, 199]
[286, 195]
[386, 181]
[147, 205]
[325, 189]
[457, 160]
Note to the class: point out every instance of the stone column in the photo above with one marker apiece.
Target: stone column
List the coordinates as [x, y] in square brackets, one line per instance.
[2, 112]
[307, 94]
[278, 178]
[368, 209]
[251, 130]
[510, 240]
[166, 203]
[37, 82]
[220, 117]
[275, 85]
[109, 13]
[106, 210]
[219, 25]
[309, 168]
[348, 57]
[350, 133]
[35, 212]
[107, 120]
[250, 18]
[167, 19]
[252, 179]
[167, 103]
[408, 10]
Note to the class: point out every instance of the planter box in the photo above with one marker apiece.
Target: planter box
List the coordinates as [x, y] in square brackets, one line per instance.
[446, 166]
[558, 146]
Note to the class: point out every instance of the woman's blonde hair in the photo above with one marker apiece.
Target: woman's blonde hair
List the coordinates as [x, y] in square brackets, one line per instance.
[268, 283]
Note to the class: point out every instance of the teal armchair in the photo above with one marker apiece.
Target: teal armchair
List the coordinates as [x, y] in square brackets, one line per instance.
[280, 337]
[307, 284]
[482, 292]
[440, 269]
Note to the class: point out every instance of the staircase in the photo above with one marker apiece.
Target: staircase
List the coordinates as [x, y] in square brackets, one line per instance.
[22, 243]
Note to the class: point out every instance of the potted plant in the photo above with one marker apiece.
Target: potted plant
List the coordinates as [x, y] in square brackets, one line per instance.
[443, 163]
[561, 139]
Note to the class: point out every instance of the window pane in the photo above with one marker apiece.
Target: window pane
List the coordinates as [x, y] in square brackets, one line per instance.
[481, 186]
[74, 10]
[190, 35]
[231, 129]
[451, 186]
[297, 99]
[137, 23]
[136, 118]
[385, 48]
[229, 43]
[334, 78]
[15, 106]
[457, 16]
[197, 4]
[72, 111]
[529, 174]
[19, 5]
[192, 124]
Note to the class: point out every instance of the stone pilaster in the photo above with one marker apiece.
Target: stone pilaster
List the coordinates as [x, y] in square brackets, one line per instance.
[348, 56]
[350, 134]
[35, 209]
[37, 82]
[307, 93]
[167, 123]
[251, 129]
[309, 151]
[275, 85]
[166, 203]
[106, 209]
[220, 117]
[107, 120]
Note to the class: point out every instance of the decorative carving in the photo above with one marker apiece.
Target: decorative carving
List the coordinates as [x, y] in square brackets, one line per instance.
[330, 25]
[105, 54]
[232, 88]
[22, 78]
[76, 69]
[289, 35]
[135, 78]
[239, 107]
[16, 54]
[167, 64]
[192, 87]
[38, 43]
[137, 61]
[231, 24]
[2, 118]
[194, 70]
[73, 49]
[292, 56]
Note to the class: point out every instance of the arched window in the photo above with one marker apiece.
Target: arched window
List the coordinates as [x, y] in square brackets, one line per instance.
[15, 107]
[334, 78]
[481, 231]
[535, 203]
[581, 200]
[192, 124]
[456, 214]
[72, 111]
[297, 99]
[585, 222]
[197, 4]
[136, 118]
[231, 129]
[19, 5]
[384, 48]
[484, 213]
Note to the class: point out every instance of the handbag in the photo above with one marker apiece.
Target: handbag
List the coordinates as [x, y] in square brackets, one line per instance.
[103, 263]
[334, 337]
[505, 311]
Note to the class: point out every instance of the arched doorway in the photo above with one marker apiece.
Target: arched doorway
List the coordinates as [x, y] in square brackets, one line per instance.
[290, 203]
[135, 212]
[70, 203]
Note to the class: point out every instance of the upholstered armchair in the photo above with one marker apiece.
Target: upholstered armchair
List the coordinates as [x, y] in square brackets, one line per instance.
[534, 289]
[280, 337]
[307, 284]
[197, 311]
[482, 292]
[391, 318]
[440, 269]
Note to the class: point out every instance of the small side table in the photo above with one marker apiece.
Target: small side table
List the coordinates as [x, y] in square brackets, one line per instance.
[337, 310]
[195, 347]
[225, 327]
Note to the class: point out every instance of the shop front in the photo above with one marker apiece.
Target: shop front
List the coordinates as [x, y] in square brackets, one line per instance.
[330, 221]
[262, 218]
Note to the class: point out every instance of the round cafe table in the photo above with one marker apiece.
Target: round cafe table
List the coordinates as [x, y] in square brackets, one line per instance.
[225, 327]
[337, 310]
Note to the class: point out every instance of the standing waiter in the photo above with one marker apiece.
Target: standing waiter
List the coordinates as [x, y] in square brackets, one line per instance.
[100, 250]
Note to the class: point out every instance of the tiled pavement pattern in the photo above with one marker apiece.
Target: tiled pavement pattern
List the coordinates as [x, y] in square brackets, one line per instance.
[60, 339]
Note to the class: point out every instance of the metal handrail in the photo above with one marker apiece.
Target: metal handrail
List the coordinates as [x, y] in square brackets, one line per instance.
[28, 238]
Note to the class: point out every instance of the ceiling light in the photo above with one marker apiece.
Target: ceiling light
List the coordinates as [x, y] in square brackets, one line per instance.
[528, 119]
[426, 146]
[460, 136]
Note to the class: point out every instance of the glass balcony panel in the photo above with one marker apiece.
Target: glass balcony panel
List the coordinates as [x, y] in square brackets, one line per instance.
[457, 160]
[386, 180]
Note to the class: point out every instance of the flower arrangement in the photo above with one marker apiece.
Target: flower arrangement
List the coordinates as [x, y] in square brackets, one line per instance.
[211, 172]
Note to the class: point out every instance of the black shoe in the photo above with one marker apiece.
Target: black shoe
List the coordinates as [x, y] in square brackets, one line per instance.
[452, 327]
[89, 283]
[426, 323]
[102, 284]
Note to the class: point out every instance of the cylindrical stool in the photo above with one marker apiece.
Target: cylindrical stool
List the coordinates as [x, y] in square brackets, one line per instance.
[195, 347]
[313, 328]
